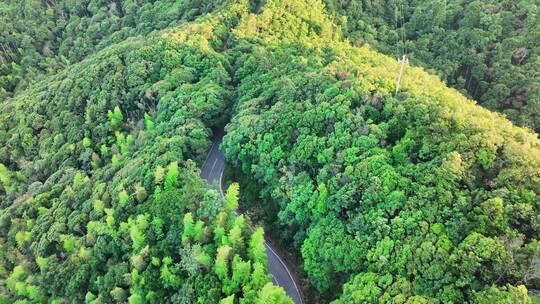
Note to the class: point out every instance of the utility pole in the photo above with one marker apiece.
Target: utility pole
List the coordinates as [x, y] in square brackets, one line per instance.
[404, 60]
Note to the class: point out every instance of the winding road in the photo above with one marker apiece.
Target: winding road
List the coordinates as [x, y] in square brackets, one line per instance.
[212, 171]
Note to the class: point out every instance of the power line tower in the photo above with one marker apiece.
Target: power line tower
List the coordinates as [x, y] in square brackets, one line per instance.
[403, 61]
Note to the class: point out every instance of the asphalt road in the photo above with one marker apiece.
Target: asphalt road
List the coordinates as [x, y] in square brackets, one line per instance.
[212, 171]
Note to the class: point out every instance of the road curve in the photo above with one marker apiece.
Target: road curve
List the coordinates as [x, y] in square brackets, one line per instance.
[212, 171]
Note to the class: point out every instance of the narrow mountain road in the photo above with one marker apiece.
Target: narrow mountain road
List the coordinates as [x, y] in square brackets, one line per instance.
[212, 171]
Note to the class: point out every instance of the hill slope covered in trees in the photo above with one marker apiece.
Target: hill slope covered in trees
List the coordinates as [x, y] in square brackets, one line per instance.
[488, 49]
[421, 196]
[416, 197]
[45, 36]
[100, 200]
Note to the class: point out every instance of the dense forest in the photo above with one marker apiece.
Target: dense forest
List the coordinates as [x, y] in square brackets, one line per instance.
[101, 201]
[46, 36]
[421, 196]
[485, 48]
[488, 49]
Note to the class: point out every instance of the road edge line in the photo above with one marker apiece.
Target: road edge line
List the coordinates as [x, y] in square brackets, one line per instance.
[208, 155]
[286, 268]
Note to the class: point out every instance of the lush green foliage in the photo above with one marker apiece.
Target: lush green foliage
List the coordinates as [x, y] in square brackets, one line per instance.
[418, 197]
[100, 201]
[415, 197]
[488, 49]
[45, 36]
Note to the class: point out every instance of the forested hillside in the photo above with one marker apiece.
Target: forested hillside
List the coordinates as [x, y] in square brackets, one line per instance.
[488, 49]
[100, 200]
[46, 36]
[420, 196]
